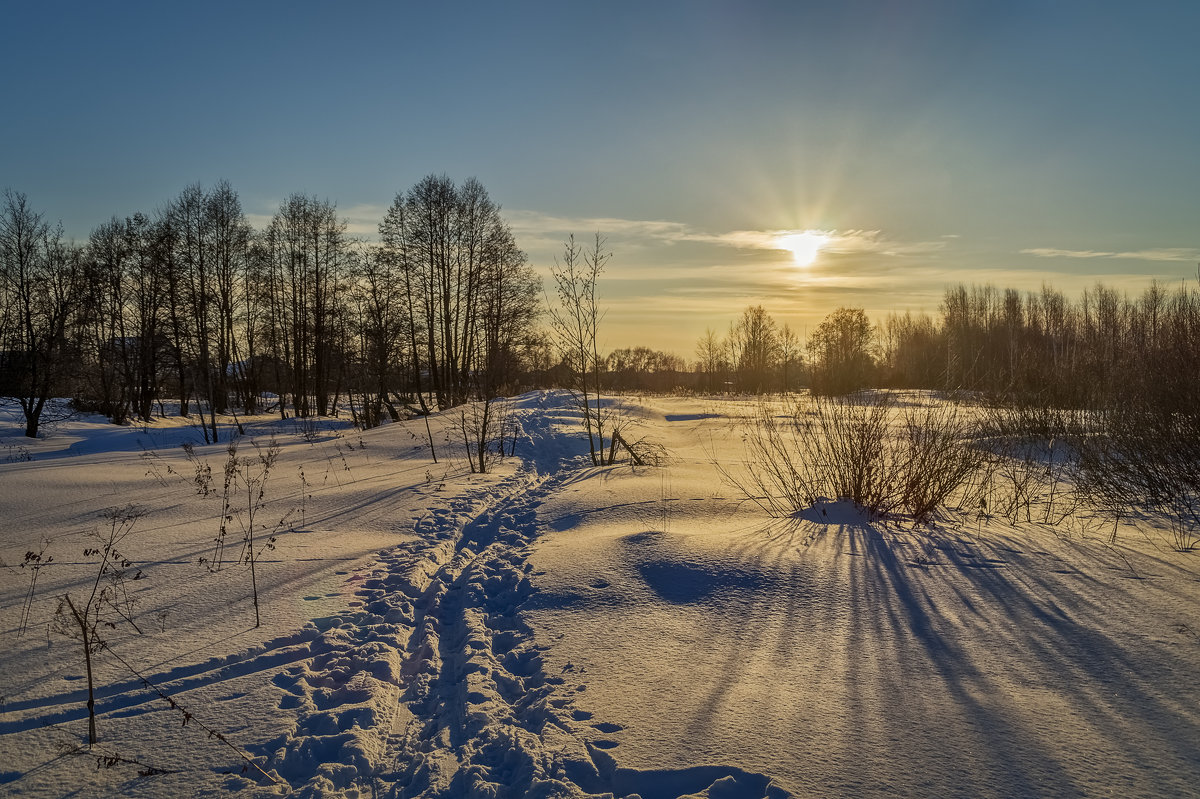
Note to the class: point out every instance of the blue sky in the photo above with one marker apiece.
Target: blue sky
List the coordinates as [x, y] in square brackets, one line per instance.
[941, 142]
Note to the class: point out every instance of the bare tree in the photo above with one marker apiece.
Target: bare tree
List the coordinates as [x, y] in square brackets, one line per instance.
[755, 342]
[840, 352]
[308, 266]
[38, 285]
[469, 297]
[177, 318]
[229, 242]
[195, 257]
[381, 322]
[789, 356]
[398, 246]
[103, 319]
[146, 296]
[575, 320]
[710, 353]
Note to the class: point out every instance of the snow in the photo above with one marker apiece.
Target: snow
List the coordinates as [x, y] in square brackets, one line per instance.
[558, 629]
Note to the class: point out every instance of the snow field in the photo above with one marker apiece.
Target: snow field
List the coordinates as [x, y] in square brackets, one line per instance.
[848, 657]
[360, 494]
[553, 629]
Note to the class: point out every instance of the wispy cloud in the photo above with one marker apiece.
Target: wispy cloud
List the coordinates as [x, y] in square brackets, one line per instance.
[536, 222]
[540, 226]
[836, 241]
[1170, 254]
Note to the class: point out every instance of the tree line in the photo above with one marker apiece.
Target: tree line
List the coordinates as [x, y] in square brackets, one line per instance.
[191, 302]
[1101, 347]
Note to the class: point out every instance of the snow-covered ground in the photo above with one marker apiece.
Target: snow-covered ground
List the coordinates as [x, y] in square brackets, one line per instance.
[555, 629]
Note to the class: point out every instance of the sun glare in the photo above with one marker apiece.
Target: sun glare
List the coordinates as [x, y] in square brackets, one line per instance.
[804, 246]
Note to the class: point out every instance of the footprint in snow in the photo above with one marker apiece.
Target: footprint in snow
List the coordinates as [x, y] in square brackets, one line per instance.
[608, 727]
[600, 583]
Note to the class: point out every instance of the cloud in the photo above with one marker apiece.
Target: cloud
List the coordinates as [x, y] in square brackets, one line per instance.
[1169, 254]
[835, 241]
[1162, 254]
[1050, 252]
[537, 225]
[536, 222]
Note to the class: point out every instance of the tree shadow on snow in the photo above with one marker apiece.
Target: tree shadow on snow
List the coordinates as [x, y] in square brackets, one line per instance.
[984, 643]
[934, 664]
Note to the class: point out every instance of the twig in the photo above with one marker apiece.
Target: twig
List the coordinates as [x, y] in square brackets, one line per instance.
[188, 718]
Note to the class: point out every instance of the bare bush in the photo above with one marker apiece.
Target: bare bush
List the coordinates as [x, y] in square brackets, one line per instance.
[777, 473]
[1036, 460]
[34, 562]
[203, 471]
[643, 451]
[851, 437]
[938, 456]
[846, 448]
[1145, 460]
[253, 474]
[483, 425]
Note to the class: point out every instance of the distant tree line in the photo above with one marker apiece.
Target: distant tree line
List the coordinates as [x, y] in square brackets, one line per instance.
[755, 355]
[193, 303]
[1101, 347]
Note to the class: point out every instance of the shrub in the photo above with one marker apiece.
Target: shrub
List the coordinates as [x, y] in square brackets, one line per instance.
[1140, 459]
[938, 456]
[846, 448]
[1036, 459]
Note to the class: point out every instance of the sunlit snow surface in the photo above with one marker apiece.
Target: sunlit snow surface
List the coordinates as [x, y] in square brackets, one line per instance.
[553, 629]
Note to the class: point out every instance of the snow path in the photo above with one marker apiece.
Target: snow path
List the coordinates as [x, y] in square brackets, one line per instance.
[436, 687]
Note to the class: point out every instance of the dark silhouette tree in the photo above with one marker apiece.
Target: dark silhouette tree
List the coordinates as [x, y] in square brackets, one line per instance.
[39, 292]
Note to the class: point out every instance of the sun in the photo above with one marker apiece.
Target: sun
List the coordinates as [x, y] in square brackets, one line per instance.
[804, 245]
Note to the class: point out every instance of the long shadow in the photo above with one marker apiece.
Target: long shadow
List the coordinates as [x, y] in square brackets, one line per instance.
[902, 627]
[70, 706]
[932, 671]
[1027, 638]
[1115, 688]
